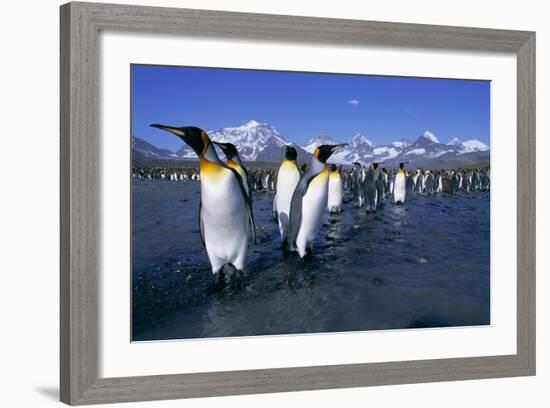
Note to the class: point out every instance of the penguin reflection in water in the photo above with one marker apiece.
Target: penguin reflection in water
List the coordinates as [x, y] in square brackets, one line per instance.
[309, 202]
[288, 177]
[225, 213]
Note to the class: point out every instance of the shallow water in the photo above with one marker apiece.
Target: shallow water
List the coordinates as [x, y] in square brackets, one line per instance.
[425, 264]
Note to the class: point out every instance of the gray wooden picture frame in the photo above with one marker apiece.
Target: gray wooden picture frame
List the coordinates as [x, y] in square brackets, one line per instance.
[81, 24]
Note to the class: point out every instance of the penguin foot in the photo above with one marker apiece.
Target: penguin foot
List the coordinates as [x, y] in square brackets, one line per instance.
[308, 256]
[236, 283]
[234, 278]
[227, 278]
[219, 282]
[284, 247]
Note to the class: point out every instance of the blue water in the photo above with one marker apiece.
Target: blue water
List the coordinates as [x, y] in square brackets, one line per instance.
[425, 264]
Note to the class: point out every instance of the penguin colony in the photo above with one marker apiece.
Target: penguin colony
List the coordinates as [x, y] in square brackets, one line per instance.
[302, 195]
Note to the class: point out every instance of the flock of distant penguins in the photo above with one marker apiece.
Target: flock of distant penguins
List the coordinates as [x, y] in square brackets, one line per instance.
[226, 220]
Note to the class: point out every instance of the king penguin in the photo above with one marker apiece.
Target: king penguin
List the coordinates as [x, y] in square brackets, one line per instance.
[288, 177]
[370, 189]
[309, 201]
[335, 190]
[358, 177]
[225, 215]
[399, 185]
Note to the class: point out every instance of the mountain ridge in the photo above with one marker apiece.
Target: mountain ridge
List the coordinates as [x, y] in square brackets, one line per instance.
[262, 142]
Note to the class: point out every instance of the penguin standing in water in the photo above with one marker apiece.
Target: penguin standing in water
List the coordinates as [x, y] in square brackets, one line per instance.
[439, 183]
[430, 182]
[409, 185]
[399, 185]
[309, 202]
[454, 182]
[418, 175]
[357, 176]
[391, 180]
[370, 188]
[335, 190]
[380, 183]
[225, 215]
[288, 177]
[385, 181]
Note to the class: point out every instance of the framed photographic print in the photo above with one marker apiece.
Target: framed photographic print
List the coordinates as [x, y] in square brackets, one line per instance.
[259, 203]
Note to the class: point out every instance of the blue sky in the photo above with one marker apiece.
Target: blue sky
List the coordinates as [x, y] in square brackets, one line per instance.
[302, 105]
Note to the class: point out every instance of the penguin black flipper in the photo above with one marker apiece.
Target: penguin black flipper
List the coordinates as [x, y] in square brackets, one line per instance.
[201, 225]
[295, 216]
[251, 216]
[248, 198]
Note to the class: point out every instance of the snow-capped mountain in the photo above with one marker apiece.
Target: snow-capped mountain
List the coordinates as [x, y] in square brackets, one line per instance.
[424, 150]
[468, 146]
[401, 143]
[360, 141]
[428, 137]
[427, 146]
[262, 142]
[255, 142]
[428, 151]
[455, 142]
[359, 148]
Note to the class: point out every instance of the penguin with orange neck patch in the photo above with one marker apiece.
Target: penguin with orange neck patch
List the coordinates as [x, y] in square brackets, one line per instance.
[288, 177]
[399, 185]
[225, 215]
[309, 201]
[335, 190]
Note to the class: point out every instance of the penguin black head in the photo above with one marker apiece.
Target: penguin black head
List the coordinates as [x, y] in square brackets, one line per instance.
[291, 153]
[196, 138]
[322, 153]
[228, 149]
[374, 165]
[401, 166]
[332, 167]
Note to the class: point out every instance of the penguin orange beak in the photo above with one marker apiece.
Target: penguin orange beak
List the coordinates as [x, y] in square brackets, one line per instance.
[171, 129]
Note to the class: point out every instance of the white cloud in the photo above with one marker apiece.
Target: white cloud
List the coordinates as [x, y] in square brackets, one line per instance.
[353, 102]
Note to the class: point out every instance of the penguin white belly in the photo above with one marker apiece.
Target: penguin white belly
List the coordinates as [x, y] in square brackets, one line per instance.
[287, 180]
[399, 188]
[314, 203]
[335, 193]
[224, 215]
